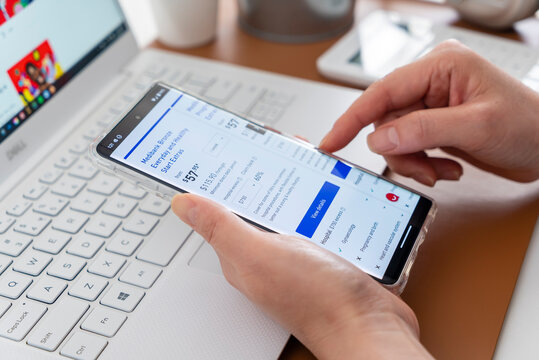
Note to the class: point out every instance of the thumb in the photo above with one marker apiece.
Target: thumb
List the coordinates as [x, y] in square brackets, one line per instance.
[222, 229]
[427, 129]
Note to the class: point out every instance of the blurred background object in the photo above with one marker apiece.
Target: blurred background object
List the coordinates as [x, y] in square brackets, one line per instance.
[185, 23]
[296, 21]
[495, 14]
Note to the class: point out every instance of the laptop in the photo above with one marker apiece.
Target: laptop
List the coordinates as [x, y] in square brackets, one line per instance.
[91, 266]
[519, 334]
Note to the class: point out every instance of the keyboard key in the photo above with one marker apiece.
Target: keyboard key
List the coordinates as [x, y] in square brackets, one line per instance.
[4, 263]
[119, 206]
[277, 98]
[259, 111]
[132, 191]
[124, 244]
[55, 326]
[202, 79]
[51, 241]
[35, 192]
[155, 206]
[5, 223]
[32, 224]
[107, 265]
[18, 208]
[13, 244]
[51, 205]
[51, 176]
[104, 322]
[85, 246]
[165, 242]
[70, 222]
[93, 132]
[88, 287]
[68, 186]
[122, 297]
[84, 346]
[66, 267]
[13, 284]
[32, 263]
[104, 184]
[65, 161]
[79, 147]
[245, 98]
[102, 225]
[117, 108]
[222, 90]
[141, 224]
[87, 202]
[274, 114]
[47, 289]
[83, 169]
[20, 319]
[140, 274]
[4, 306]
[105, 120]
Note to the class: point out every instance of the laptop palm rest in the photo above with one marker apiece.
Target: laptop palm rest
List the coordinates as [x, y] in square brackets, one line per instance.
[205, 258]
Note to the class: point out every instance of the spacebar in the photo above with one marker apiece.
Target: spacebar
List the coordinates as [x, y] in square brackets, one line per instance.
[165, 242]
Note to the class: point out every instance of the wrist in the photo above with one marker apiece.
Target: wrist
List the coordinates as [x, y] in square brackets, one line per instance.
[376, 335]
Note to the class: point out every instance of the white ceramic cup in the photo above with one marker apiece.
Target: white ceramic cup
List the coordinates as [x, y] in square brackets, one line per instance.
[185, 23]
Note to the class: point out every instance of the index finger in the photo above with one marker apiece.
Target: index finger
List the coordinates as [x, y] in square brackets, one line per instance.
[400, 89]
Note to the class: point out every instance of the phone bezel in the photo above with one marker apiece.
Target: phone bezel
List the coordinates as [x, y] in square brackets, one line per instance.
[144, 105]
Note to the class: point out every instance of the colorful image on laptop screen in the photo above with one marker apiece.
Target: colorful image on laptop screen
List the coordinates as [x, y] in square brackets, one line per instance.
[38, 56]
[35, 74]
[10, 8]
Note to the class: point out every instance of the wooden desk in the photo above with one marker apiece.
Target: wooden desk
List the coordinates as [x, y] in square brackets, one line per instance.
[465, 273]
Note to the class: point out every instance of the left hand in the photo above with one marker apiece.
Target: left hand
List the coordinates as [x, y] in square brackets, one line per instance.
[330, 305]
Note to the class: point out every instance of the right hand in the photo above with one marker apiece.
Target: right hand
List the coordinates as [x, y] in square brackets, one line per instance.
[450, 99]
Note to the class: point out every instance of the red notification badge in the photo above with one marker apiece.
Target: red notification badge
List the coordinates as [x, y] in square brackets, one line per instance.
[392, 197]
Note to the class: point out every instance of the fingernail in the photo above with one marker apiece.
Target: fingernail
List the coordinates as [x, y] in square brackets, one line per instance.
[185, 209]
[383, 139]
[451, 174]
[424, 179]
[324, 141]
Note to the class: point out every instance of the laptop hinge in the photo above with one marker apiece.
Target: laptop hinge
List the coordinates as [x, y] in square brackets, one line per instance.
[93, 105]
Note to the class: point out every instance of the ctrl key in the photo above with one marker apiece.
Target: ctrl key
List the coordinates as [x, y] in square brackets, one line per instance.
[83, 346]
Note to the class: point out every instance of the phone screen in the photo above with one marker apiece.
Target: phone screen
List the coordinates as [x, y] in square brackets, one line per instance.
[269, 179]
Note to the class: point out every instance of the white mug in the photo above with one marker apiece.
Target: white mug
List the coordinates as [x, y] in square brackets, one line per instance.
[185, 23]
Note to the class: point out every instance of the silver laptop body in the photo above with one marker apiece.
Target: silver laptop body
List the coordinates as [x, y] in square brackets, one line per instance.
[93, 267]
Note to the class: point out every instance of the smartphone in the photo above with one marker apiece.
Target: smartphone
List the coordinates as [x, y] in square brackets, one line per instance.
[172, 141]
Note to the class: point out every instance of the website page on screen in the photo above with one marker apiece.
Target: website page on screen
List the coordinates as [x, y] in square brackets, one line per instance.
[43, 43]
[284, 185]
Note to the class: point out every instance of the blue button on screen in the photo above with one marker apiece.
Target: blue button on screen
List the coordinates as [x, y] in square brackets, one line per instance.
[317, 210]
[341, 170]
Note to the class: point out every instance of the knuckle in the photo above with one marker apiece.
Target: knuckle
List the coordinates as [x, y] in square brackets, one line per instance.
[422, 126]
[451, 44]
[454, 53]
[481, 125]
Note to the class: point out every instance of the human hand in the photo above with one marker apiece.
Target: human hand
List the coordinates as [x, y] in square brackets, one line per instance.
[331, 306]
[450, 99]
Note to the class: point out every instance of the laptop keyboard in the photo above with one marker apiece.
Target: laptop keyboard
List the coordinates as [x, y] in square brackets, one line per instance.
[76, 249]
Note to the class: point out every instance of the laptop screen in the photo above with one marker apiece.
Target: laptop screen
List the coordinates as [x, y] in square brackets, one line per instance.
[43, 45]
